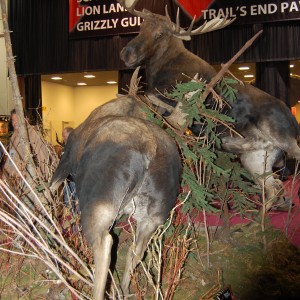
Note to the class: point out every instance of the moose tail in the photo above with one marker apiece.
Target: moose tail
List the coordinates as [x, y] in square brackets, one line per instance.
[61, 173]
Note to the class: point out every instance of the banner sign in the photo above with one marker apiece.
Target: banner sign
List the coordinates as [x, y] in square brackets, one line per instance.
[245, 11]
[89, 18]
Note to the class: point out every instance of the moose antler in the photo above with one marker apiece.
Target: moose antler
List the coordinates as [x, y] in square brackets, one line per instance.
[178, 31]
[130, 5]
[214, 24]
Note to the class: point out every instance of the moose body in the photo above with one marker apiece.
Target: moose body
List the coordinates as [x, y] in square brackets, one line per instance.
[122, 164]
[268, 128]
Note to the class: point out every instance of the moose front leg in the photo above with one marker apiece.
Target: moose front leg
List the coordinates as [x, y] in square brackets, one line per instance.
[240, 145]
[259, 164]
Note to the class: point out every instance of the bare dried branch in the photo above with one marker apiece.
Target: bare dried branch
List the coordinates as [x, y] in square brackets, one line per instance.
[226, 66]
[177, 117]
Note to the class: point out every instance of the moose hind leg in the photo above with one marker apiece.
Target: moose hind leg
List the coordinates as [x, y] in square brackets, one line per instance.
[145, 229]
[96, 218]
[102, 256]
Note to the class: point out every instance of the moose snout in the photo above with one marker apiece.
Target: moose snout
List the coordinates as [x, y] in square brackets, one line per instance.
[129, 56]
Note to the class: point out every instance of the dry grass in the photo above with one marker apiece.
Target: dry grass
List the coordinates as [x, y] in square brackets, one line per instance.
[239, 261]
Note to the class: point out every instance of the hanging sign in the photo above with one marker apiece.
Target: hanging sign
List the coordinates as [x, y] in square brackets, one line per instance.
[245, 11]
[89, 18]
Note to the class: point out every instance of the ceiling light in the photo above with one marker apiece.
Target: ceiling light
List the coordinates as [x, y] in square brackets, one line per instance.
[81, 83]
[249, 76]
[111, 82]
[292, 66]
[56, 78]
[89, 76]
[243, 68]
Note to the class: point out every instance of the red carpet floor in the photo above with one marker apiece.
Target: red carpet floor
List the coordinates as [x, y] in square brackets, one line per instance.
[289, 224]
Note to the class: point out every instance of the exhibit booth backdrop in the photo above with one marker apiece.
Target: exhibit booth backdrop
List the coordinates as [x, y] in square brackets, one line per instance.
[69, 106]
[42, 45]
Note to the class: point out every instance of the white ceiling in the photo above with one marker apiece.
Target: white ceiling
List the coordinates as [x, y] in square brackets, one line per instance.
[71, 79]
[101, 77]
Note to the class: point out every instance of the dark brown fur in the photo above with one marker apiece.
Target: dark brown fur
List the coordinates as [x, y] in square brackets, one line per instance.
[121, 164]
[268, 127]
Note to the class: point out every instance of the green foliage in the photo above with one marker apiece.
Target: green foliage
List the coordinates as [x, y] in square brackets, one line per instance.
[209, 173]
[225, 89]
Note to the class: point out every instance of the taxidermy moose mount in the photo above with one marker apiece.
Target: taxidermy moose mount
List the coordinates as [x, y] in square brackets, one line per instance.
[267, 127]
[121, 164]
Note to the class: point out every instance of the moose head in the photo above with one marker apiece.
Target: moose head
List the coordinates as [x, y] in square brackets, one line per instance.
[160, 43]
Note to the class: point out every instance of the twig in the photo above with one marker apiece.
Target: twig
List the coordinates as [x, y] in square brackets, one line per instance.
[207, 239]
[225, 67]
[295, 178]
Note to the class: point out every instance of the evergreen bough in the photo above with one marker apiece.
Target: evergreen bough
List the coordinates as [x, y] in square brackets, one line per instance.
[213, 176]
